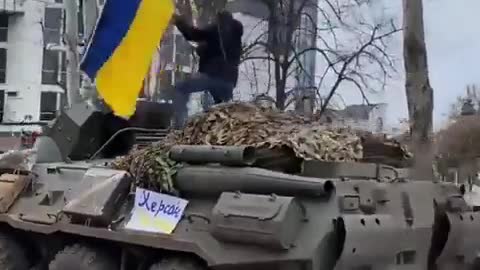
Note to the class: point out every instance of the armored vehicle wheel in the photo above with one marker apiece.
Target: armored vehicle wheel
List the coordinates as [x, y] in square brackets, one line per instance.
[12, 255]
[78, 257]
[177, 263]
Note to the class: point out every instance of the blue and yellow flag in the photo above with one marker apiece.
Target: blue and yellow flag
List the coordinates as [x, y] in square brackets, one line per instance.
[122, 47]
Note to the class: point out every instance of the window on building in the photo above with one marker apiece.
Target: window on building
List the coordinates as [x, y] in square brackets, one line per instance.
[166, 79]
[3, 27]
[53, 20]
[181, 76]
[52, 25]
[165, 82]
[166, 48]
[50, 67]
[48, 106]
[12, 94]
[3, 65]
[80, 19]
[2, 104]
[182, 51]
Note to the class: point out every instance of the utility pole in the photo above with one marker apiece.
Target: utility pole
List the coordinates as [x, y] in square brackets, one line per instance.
[73, 69]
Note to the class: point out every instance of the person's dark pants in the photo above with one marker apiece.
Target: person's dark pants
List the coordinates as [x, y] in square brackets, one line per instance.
[220, 90]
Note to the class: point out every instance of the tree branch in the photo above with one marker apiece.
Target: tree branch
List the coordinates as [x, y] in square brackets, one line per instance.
[341, 75]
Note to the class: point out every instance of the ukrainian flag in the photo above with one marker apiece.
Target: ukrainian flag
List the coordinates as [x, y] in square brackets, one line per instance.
[122, 47]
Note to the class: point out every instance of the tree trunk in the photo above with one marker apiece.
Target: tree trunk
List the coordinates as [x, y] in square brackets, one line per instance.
[418, 89]
[280, 84]
[284, 20]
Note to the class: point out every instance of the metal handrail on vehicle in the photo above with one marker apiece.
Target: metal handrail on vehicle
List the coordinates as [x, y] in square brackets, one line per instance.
[120, 132]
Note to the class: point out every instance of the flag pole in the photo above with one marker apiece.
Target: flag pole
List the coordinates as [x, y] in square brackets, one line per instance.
[73, 70]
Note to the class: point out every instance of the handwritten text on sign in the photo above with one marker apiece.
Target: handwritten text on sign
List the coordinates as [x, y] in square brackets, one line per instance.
[156, 212]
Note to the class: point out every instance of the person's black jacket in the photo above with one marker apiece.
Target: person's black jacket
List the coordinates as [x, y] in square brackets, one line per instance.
[220, 46]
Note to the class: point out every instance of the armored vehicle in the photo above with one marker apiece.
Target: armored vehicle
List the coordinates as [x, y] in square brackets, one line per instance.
[71, 210]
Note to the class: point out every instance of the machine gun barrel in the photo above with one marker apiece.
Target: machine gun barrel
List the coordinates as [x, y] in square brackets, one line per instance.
[213, 180]
[203, 154]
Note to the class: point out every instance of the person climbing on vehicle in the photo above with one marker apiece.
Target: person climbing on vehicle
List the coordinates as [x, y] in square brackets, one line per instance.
[219, 49]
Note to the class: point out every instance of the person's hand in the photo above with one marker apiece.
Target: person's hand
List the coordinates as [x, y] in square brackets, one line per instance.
[176, 18]
[176, 15]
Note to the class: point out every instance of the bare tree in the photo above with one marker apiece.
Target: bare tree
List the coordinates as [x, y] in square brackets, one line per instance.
[458, 142]
[250, 72]
[349, 48]
[417, 85]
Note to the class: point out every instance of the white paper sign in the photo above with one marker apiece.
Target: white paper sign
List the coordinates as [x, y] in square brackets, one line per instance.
[156, 212]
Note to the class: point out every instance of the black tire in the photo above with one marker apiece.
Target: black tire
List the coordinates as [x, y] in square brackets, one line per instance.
[78, 257]
[12, 255]
[178, 263]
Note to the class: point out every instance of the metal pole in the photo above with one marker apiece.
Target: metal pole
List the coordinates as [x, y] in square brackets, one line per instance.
[73, 72]
[90, 16]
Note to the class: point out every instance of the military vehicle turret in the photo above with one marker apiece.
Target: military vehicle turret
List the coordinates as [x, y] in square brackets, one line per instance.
[71, 211]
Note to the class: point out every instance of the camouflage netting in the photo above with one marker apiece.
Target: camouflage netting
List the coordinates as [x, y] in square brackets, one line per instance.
[243, 124]
[247, 124]
[151, 168]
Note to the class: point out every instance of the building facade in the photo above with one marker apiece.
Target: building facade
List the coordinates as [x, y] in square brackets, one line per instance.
[32, 61]
[361, 117]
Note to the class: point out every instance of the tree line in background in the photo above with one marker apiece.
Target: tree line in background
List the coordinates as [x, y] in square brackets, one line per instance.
[458, 141]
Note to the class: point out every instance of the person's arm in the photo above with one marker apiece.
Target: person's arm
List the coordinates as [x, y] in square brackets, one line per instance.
[192, 33]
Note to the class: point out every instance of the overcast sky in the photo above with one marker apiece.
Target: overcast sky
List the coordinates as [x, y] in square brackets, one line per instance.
[453, 44]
